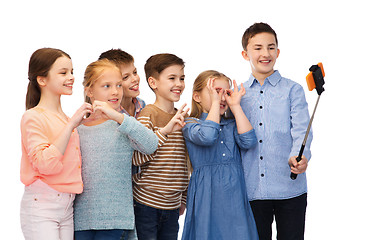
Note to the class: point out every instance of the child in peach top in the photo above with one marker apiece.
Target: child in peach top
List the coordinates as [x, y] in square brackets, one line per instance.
[50, 164]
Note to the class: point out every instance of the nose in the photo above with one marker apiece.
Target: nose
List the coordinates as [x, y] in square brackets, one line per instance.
[71, 76]
[265, 52]
[114, 91]
[135, 78]
[223, 97]
[180, 83]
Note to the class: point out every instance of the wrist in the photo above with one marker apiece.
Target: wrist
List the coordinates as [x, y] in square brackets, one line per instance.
[118, 117]
[235, 108]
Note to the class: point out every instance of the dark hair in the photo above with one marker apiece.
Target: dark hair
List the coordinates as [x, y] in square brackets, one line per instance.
[117, 56]
[256, 29]
[157, 63]
[40, 63]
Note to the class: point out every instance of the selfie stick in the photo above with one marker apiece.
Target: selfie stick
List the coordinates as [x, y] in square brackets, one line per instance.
[315, 79]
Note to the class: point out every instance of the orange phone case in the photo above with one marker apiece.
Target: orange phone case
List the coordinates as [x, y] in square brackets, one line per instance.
[310, 79]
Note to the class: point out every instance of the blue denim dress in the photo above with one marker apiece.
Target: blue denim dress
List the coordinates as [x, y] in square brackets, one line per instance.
[217, 202]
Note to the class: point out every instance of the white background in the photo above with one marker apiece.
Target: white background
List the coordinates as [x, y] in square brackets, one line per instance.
[207, 35]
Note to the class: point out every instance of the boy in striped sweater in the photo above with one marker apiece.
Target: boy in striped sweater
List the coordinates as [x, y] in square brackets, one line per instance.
[159, 189]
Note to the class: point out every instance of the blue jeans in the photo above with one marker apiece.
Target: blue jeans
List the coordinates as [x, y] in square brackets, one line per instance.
[115, 234]
[156, 224]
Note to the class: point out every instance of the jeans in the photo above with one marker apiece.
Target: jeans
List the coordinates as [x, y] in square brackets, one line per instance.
[156, 224]
[289, 217]
[46, 214]
[115, 234]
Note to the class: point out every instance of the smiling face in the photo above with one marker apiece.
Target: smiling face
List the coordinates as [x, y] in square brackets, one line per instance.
[107, 88]
[131, 80]
[169, 85]
[60, 79]
[262, 52]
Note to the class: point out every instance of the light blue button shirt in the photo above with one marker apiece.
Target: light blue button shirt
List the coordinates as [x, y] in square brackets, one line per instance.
[278, 112]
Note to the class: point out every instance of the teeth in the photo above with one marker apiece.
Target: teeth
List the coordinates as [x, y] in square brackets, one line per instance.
[135, 87]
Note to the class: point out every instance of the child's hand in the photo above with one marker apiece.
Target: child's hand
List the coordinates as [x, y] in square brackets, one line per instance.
[102, 110]
[214, 93]
[177, 122]
[182, 209]
[233, 97]
[79, 115]
[298, 167]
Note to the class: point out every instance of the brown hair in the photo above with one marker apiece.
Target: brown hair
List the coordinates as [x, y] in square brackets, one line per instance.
[94, 71]
[256, 29]
[199, 84]
[117, 56]
[40, 63]
[157, 63]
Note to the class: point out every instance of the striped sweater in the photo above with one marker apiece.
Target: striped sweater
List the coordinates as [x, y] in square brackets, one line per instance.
[163, 179]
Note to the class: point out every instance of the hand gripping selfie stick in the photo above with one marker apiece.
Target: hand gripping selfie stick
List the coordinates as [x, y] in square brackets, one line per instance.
[315, 79]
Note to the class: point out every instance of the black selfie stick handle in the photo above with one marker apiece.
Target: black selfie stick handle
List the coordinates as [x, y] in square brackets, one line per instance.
[298, 158]
[294, 176]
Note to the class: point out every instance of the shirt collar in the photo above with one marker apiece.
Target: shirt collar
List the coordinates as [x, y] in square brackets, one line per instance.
[273, 79]
[223, 120]
[137, 106]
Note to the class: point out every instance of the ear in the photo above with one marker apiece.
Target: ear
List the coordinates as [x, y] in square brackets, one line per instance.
[245, 55]
[152, 83]
[277, 54]
[88, 91]
[196, 97]
[41, 81]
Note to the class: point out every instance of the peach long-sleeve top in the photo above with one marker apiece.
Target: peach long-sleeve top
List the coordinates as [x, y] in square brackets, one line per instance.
[41, 159]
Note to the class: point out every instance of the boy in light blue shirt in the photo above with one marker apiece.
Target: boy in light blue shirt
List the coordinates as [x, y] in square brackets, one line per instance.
[277, 109]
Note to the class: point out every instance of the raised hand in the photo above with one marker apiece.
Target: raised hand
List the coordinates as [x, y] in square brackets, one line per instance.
[103, 111]
[233, 96]
[214, 93]
[177, 122]
[80, 114]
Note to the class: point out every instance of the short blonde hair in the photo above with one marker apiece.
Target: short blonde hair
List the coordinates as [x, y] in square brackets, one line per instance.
[199, 84]
[94, 71]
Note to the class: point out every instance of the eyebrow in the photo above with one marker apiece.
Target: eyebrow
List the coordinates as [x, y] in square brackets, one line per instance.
[260, 45]
[175, 75]
[65, 69]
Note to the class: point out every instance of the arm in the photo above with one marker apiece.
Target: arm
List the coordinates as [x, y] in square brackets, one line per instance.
[138, 157]
[299, 121]
[141, 138]
[45, 155]
[203, 134]
[62, 141]
[216, 96]
[233, 98]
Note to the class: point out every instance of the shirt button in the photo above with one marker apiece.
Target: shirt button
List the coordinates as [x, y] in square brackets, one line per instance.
[260, 141]
[220, 129]
[261, 107]
[262, 175]
[260, 124]
[261, 157]
[223, 154]
[261, 91]
[221, 141]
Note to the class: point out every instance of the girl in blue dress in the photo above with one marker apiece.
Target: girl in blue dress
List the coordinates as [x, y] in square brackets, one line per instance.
[217, 202]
